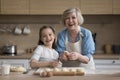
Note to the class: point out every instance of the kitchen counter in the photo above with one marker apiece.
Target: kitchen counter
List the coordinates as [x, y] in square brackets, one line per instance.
[22, 56]
[94, 75]
[106, 56]
[96, 56]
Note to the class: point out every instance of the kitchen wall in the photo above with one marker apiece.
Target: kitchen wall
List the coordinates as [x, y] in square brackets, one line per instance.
[107, 28]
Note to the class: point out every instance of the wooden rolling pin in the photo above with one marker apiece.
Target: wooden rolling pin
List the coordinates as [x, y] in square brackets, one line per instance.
[68, 73]
[80, 73]
[64, 73]
[60, 73]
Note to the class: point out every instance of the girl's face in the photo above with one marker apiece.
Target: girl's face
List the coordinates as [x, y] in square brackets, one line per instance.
[47, 37]
[71, 21]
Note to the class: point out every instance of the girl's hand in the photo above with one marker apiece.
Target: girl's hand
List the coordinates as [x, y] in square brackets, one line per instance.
[54, 64]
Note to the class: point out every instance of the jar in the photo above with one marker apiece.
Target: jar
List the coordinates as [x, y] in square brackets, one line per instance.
[108, 48]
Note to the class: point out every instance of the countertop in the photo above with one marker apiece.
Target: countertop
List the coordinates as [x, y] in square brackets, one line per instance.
[96, 56]
[94, 75]
[22, 56]
[106, 56]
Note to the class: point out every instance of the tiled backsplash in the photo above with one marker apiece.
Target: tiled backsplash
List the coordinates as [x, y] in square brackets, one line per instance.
[107, 32]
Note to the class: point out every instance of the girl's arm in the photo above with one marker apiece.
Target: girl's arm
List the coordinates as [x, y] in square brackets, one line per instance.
[36, 64]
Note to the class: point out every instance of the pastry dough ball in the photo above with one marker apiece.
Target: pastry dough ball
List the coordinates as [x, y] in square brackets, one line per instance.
[65, 70]
[47, 69]
[72, 70]
[22, 69]
[56, 69]
[80, 70]
[17, 69]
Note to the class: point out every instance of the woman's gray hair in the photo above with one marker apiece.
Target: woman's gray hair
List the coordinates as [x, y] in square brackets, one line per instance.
[71, 10]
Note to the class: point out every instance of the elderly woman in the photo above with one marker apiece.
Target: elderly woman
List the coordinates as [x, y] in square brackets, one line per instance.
[75, 43]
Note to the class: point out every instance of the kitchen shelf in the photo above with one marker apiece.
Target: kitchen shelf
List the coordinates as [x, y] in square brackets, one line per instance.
[106, 56]
[23, 56]
[96, 56]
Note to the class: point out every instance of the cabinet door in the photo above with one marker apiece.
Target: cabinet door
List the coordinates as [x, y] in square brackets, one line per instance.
[96, 6]
[116, 6]
[107, 64]
[51, 6]
[17, 62]
[14, 6]
[0, 6]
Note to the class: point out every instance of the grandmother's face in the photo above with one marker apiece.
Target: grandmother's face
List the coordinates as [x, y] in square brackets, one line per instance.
[71, 21]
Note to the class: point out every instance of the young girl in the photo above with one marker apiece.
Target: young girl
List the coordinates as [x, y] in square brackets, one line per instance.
[45, 54]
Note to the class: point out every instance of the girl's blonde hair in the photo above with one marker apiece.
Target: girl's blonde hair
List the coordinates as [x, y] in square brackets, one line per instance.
[71, 10]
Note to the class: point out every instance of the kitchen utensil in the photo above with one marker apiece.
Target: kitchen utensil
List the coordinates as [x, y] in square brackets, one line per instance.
[64, 71]
[9, 50]
[71, 63]
[116, 49]
[107, 48]
[26, 30]
[18, 30]
[94, 36]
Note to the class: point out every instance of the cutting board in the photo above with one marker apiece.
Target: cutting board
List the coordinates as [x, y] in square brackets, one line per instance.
[64, 71]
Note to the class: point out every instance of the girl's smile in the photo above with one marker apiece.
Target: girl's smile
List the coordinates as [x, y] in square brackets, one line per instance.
[47, 37]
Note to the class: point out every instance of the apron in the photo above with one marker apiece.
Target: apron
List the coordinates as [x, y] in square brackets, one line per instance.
[76, 47]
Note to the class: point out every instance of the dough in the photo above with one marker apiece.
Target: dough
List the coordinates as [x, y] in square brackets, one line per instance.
[47, 69]
[17, 69]
[66, 52]
[72, 70]
[56, 69]
[65, 69]
[80, 70]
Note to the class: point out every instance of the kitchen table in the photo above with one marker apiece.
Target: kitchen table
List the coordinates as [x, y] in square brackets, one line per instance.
[89, 75]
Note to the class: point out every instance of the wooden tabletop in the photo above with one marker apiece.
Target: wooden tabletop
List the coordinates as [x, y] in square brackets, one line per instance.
[30, 76]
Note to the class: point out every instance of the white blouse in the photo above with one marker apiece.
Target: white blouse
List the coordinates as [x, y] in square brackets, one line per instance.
[43, 53]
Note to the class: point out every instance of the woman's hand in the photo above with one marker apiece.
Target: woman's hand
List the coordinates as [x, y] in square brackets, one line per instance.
[64, 56]
[73, 56]
[77, 56]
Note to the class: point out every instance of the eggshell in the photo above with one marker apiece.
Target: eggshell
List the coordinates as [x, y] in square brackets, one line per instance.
[44, 74]
[49, 74]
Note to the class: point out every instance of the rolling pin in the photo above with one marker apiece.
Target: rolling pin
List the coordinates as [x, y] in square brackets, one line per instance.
[64, 73]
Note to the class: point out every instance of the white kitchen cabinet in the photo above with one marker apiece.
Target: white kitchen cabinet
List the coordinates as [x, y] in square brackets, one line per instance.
[107, 63]
[16, 62]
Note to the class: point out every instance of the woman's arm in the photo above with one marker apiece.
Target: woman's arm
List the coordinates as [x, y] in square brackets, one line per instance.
[61, 42]
[88, 45]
